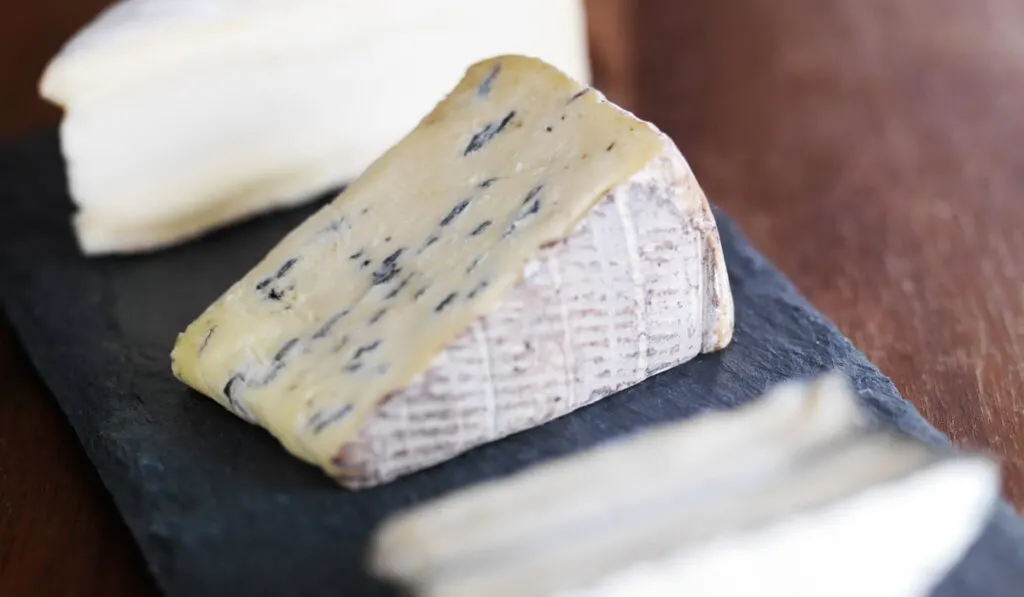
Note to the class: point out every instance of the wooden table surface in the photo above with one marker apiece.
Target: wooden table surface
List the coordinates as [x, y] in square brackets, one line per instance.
[871, 149]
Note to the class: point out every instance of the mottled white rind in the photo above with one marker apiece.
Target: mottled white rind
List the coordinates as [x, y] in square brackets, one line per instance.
[182, 116]
[639, 287]
[794, 494]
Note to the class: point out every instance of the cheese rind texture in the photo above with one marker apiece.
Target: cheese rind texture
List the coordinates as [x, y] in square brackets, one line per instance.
[795, 494]
[182, 116]
[527, 249]
[637, 288]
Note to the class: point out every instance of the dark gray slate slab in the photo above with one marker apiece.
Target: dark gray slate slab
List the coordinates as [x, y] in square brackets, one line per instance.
[218, 507]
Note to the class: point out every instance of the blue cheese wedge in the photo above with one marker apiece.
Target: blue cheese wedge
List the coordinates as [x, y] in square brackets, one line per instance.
[796, 494]
[182, 116]
[528, 249]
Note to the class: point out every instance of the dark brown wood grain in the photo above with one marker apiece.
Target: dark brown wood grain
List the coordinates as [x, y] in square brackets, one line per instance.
[871, 149]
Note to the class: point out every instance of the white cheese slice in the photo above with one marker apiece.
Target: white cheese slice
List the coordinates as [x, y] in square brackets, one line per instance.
[184, 115]
[395, 328]
[792, 495]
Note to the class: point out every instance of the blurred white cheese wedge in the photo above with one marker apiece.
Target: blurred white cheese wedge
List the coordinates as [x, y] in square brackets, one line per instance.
[184, 115]
[795, 494]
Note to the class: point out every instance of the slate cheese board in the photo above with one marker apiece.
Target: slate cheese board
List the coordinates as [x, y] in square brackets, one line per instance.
[217, 506]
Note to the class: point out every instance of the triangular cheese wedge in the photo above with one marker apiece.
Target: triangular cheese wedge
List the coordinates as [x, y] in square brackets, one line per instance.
[182, 116]
[796, 494]
[528, 249]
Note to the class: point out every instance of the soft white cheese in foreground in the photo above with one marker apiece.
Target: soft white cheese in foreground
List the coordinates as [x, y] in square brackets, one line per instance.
[792, 495]
[184, 115]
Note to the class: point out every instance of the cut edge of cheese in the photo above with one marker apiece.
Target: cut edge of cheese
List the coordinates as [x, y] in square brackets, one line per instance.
[753, 489]
[181, 117]
[306, 363]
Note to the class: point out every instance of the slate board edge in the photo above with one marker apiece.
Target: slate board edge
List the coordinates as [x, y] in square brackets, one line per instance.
[104, 463]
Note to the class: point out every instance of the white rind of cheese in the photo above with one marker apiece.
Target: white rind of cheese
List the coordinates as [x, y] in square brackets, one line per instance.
[794, 494]
[182, 116]
[528, 249]
[639, 287]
